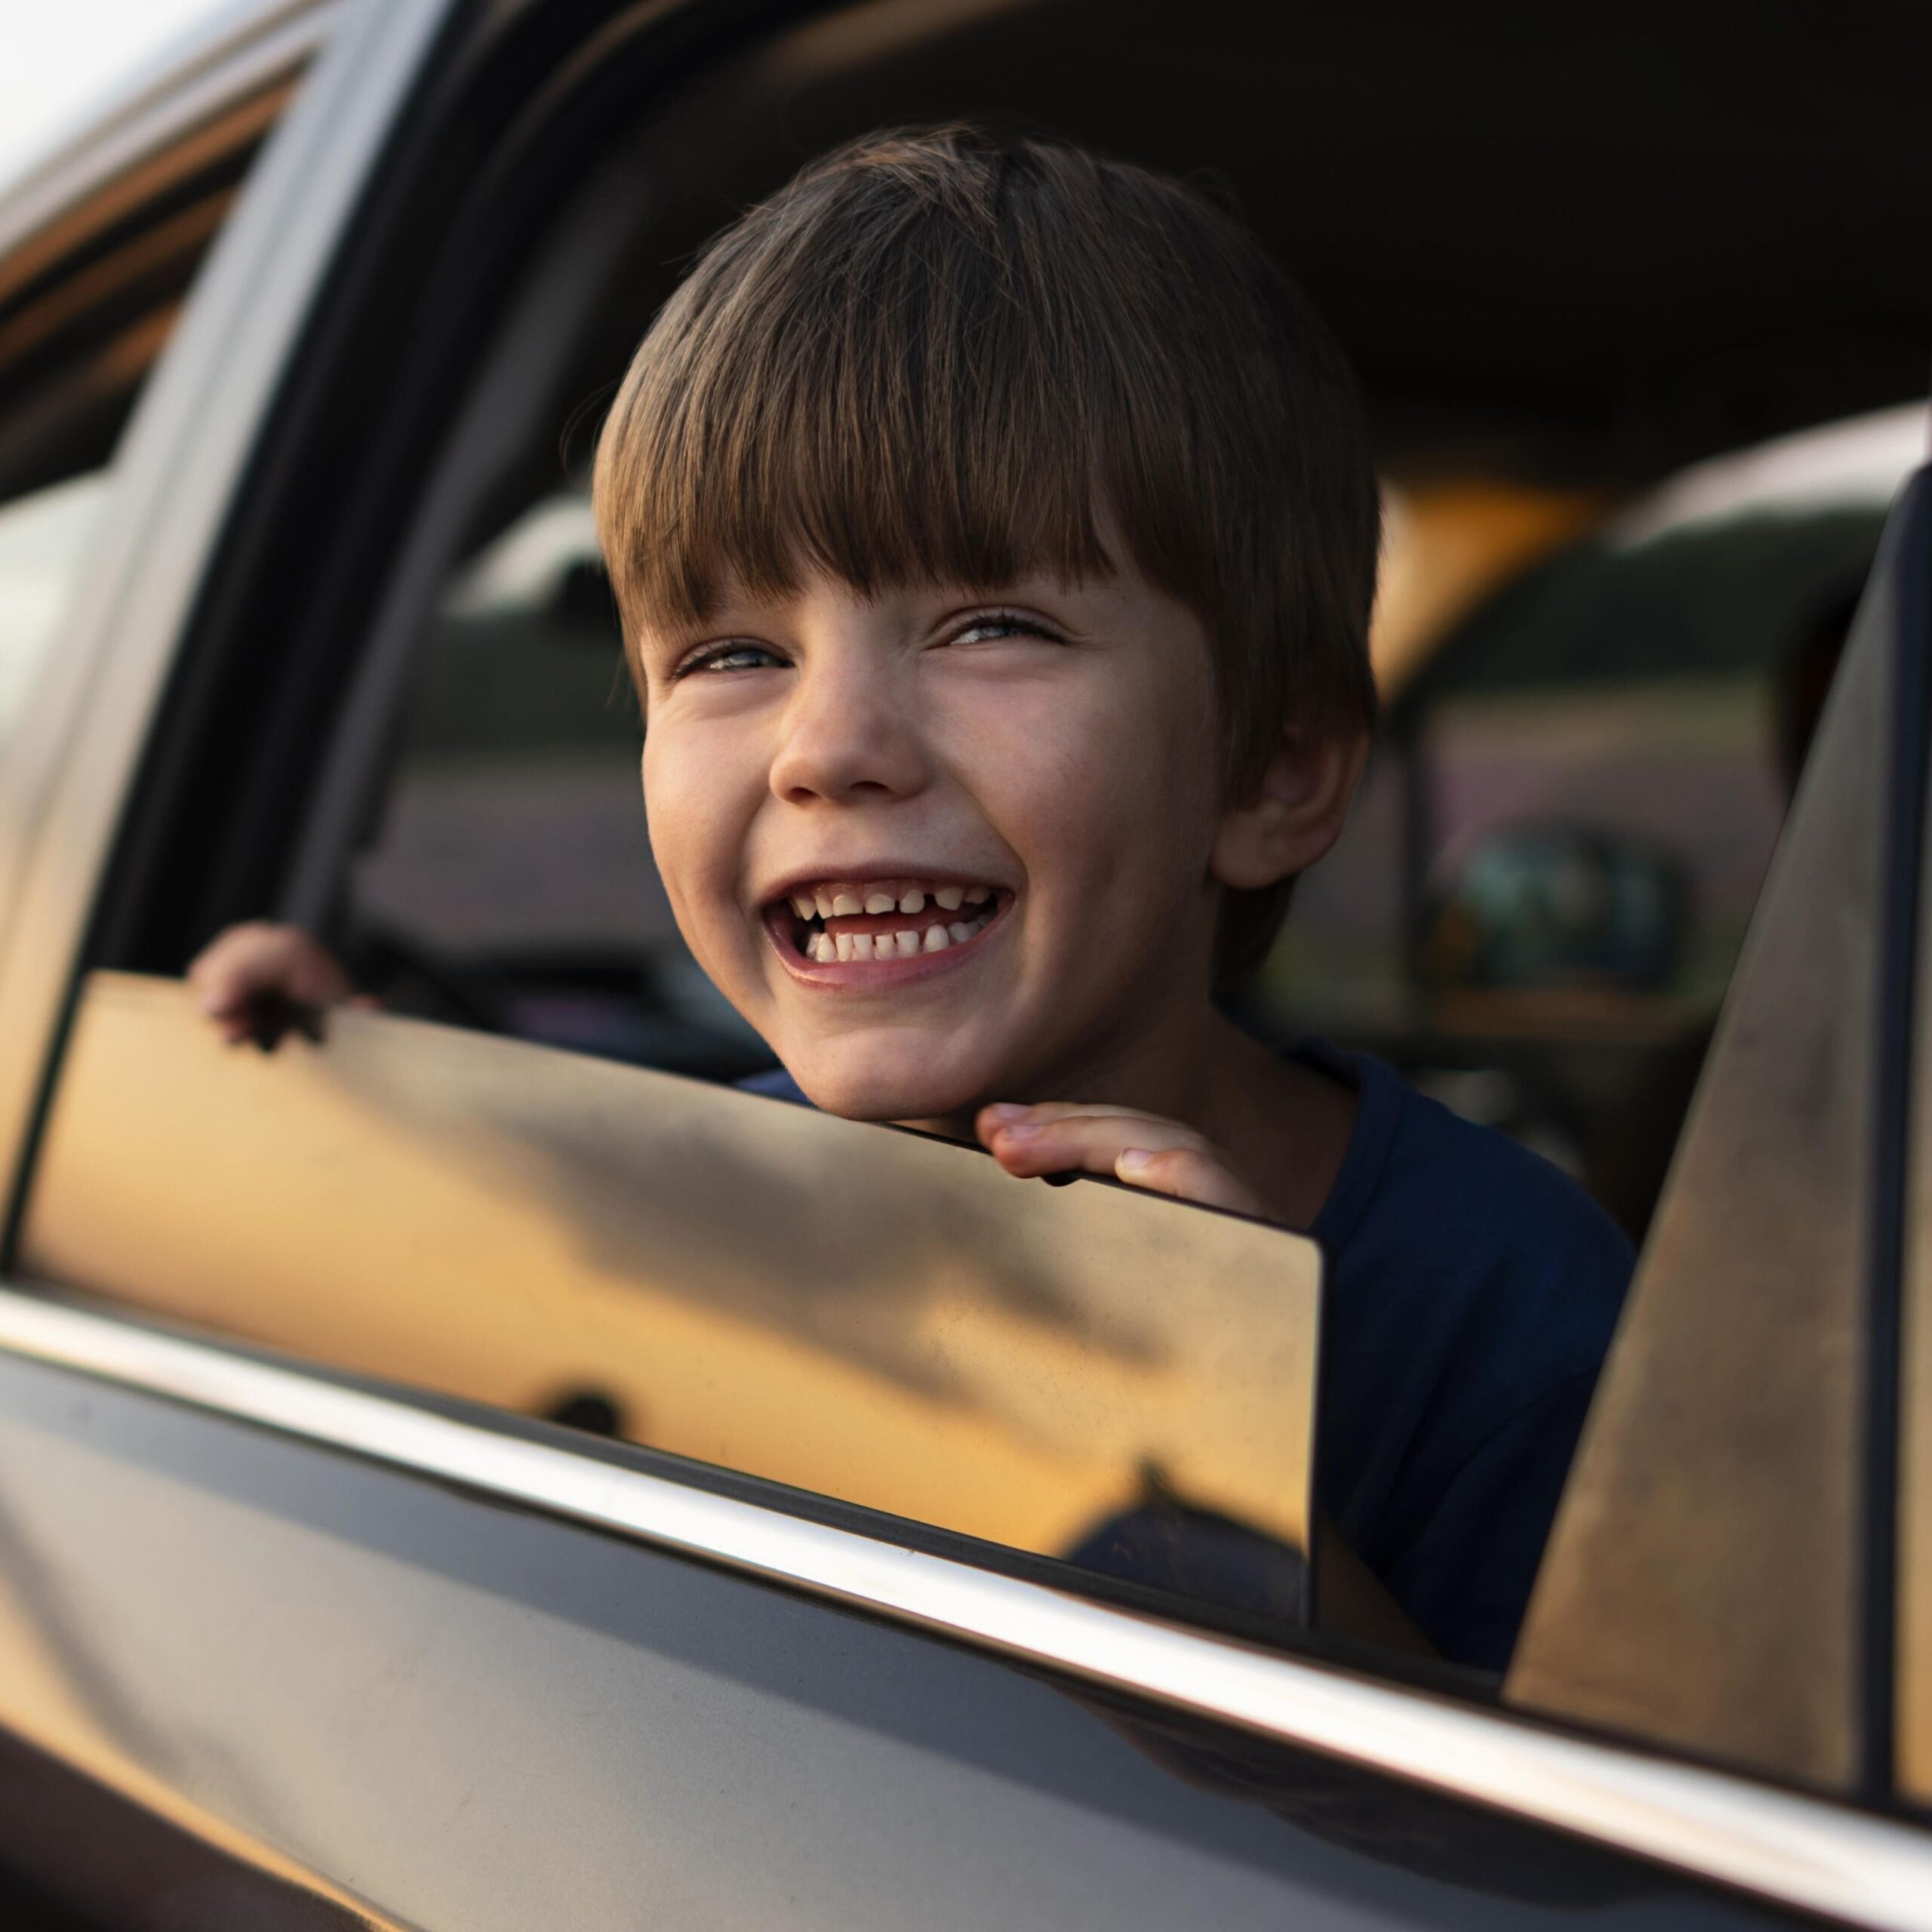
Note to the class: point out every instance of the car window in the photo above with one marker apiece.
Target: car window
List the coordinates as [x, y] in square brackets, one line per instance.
[1582, 678]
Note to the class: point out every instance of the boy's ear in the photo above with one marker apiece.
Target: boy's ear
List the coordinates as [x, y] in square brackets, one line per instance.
[1294, 815]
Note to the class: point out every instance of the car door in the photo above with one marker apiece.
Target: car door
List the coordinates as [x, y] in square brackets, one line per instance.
[318, 1609]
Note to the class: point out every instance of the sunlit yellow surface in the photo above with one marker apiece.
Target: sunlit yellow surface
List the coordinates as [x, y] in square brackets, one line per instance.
[1446, 546]
[865, 1314]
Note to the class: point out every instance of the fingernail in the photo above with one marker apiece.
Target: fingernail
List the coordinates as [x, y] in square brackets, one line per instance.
[1132, 1161]
[1007, 1110]
[1020, 1132]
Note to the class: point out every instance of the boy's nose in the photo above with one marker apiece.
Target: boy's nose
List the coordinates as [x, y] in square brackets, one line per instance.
[844, 738]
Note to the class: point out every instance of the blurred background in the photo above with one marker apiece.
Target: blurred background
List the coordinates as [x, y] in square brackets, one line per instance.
[61, 60]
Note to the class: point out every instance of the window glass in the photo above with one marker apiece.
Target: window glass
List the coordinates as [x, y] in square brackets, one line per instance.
[1090, 1375]
[44, 541]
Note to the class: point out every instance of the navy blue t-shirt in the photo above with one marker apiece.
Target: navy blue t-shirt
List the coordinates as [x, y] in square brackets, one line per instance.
[1472, 1291]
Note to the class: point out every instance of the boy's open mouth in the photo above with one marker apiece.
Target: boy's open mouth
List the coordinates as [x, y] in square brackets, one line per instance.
[841, 921]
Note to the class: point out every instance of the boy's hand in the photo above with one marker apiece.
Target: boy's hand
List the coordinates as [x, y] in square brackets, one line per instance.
[249, 968]
[1142, 1149]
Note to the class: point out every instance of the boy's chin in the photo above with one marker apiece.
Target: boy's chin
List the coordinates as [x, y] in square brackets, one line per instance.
[845, 1084]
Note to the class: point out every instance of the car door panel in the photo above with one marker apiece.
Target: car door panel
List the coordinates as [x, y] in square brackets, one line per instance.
[458, 1714]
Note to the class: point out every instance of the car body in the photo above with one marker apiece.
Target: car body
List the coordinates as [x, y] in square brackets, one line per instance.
[375, 1549]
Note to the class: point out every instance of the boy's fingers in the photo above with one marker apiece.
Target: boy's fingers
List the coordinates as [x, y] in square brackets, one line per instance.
[248, 961]
[235, 962]
[1142, 1149]
[1006, 1113]
[1188, 1173]
[1091, 1143]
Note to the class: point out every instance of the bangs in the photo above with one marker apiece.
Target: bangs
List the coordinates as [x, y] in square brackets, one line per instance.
[918, 400]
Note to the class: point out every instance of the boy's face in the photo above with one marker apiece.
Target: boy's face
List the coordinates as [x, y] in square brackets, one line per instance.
[1025, 784]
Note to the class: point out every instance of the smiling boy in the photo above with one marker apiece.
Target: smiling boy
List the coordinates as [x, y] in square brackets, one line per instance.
[995, 531]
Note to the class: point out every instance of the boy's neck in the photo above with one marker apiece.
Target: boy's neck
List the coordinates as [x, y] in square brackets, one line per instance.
[1282, 1125]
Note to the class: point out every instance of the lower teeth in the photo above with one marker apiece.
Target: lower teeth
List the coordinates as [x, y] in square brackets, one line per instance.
[826, 948]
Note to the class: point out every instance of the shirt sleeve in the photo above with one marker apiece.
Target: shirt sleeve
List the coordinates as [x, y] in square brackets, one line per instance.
[1465, 1581]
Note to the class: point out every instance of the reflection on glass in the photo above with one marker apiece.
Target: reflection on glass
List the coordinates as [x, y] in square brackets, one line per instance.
[43, 545]
[1083, 1372]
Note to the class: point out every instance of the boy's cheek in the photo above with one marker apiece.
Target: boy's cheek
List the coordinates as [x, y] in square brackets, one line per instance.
[1100, 740]
[1123, 811]
[698, 839]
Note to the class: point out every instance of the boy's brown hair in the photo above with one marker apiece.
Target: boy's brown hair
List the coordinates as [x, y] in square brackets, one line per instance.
[946, 356]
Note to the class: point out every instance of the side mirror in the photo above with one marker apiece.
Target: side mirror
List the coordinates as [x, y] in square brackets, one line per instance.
[1549, 905]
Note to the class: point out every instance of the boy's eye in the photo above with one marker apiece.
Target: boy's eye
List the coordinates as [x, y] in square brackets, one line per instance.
[990, 627]
[729, 657]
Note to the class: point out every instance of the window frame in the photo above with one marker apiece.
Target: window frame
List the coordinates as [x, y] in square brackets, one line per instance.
[1900, 1615]
[178, 470]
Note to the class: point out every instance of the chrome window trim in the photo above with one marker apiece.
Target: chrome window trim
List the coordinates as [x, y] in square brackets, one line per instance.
[1794, 1850]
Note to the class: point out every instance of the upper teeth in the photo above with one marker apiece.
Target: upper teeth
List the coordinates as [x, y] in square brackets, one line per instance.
[905, 898]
